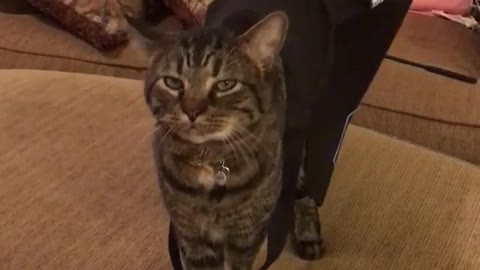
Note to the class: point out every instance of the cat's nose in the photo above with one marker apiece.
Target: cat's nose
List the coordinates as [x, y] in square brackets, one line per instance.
[192, 116]
[193, 108]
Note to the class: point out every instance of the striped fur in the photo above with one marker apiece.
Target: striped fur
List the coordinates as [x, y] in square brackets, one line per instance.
[201, 125]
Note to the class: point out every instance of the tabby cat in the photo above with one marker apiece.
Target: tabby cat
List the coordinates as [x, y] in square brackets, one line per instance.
[219, 100]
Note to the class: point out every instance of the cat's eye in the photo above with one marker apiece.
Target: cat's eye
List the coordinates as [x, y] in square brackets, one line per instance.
[225, 85]
[173, 83]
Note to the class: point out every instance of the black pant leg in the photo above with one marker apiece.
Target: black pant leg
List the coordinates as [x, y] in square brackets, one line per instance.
[360, 46]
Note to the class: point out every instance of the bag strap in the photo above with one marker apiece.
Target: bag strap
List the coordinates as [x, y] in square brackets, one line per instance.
[173, 249]
[280, 223]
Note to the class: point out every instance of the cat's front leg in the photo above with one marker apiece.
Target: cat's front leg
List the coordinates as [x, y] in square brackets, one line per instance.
[200, 254]
[242, 250]
[307, 237]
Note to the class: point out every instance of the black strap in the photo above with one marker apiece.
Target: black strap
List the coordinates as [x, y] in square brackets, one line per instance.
[173, 249]
[280, 224]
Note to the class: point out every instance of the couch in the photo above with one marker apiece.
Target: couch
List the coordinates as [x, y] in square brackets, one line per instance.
[422, 107]
[404, 101]
[77, 186]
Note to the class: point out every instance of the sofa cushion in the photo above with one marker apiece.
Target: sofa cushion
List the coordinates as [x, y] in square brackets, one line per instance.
[412, 90]
[78, 189]
[35, 42]
[438, 42]
[461, 141]
[425, 108]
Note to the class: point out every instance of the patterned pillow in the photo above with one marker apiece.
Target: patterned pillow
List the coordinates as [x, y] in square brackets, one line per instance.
[99, 22]
[192, 12]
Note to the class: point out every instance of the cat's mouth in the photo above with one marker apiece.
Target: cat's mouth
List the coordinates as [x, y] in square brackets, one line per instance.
[199, 134]
[190, 127]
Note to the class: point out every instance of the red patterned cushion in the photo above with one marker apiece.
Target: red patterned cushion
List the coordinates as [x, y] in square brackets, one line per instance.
[101, 23]
[191, 12]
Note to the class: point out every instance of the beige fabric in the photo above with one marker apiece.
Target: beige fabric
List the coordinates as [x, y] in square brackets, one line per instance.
[456, 140]
[438, 42]
[20, 60]
[411, 90]
[424, 108]
[37, 35]
[37, 43]
[78, 188]
[34, 42]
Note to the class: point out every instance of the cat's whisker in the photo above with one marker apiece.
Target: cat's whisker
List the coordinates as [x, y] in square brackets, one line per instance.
[248, 133]
[245, 133]
[235, 140]
[227, 141]
[142, 140]
[166, 135]
[247, 148]
[244, 145]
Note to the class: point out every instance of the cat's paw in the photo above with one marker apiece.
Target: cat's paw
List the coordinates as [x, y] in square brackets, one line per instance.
[307, 237]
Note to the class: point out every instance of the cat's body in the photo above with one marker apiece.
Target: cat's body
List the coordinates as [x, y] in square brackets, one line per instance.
[218, 94]
[216, 228]
[211, 226]
[220, 104]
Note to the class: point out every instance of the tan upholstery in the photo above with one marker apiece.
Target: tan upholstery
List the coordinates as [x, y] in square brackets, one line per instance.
[404, 101]
[461, 141]
[35, 42]
[438, 42]
[42, 40]
[424, 108]
[78, 189]
[410, 90]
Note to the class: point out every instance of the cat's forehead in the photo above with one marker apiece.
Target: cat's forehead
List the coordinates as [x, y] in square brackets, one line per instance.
[199, 46]
[201, 54]
[201, 51]
[199, 39]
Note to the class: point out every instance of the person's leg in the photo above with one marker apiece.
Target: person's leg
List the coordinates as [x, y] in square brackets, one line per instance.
[360, 46]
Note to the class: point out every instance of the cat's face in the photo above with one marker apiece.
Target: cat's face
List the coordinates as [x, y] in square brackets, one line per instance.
[209, 85]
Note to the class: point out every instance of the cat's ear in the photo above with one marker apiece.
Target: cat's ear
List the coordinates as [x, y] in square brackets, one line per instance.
[263, 42]
[149, 40]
